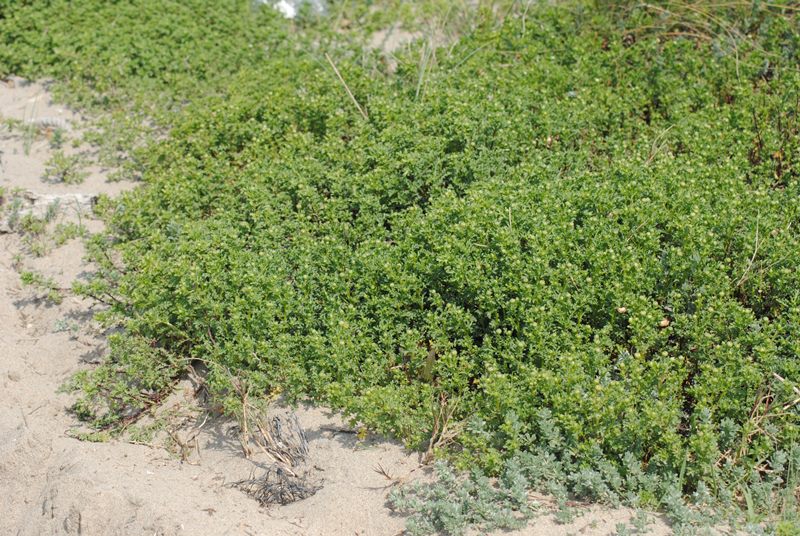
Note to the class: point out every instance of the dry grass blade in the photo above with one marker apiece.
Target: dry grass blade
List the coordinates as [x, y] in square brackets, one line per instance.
[425, 56]
[394, 480]
[444, 429]
[656, 146]
[383, 472]
[764, 408]
[796, 391]
[752, 258]
[347, 88]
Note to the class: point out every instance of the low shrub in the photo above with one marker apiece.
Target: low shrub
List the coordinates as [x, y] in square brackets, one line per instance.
[567, 233]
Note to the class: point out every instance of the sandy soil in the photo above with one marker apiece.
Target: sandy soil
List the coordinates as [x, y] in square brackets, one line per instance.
[51, 483]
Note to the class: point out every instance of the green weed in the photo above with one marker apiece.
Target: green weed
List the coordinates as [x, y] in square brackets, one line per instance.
[50, 290]
[57, 139]
[65, 232]
[66, 169]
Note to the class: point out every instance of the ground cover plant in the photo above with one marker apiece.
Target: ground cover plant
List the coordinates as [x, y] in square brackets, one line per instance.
[567, 241]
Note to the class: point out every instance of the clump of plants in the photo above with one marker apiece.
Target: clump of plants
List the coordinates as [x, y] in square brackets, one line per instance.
[570, 237]
[46, 286]
[67, 169]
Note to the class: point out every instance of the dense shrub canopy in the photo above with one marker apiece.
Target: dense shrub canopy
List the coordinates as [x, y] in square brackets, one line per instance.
[566, 235]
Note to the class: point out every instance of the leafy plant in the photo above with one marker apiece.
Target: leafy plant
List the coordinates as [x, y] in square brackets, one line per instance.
[50, 289]
[135, 376]
[454, 504]
[65, 168]
[568, 238]
[64, 232]
[57, 138]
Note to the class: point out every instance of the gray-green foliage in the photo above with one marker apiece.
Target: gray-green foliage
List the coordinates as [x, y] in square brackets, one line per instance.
[458, 502]
[454, 503]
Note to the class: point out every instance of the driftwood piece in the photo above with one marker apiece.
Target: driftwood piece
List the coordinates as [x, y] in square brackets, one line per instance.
[278, 486]
[283, 440]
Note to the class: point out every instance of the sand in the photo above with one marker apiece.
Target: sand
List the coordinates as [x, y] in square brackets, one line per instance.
[53, 484]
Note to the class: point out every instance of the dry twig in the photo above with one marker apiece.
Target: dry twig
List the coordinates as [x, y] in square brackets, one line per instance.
[347, 88]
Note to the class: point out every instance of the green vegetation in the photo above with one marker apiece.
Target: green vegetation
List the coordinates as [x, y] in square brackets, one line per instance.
[569, 238]
[46, 286]
[65, 232]
[65, 168]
